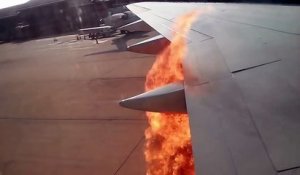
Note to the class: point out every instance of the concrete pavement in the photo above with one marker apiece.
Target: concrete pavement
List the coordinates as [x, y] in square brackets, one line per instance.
[58, 107]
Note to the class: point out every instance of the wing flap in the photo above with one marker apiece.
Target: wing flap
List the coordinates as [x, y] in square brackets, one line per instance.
[272, 93]
[224, 138]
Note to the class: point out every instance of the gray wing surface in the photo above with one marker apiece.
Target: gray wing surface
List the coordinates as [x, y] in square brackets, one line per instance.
[242, 84]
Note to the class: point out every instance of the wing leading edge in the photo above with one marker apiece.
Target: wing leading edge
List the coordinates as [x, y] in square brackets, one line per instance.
[242, 84]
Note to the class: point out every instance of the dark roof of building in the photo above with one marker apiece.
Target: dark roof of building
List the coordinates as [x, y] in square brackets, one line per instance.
[13, 11]
[8, 12]
[36, 3]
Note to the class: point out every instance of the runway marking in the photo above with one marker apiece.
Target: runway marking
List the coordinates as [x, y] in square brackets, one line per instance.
[130, 154]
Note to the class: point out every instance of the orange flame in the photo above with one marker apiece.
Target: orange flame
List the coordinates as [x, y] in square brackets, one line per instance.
[168, 149]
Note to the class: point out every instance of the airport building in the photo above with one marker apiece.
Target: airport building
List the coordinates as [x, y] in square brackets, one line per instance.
[42, 18]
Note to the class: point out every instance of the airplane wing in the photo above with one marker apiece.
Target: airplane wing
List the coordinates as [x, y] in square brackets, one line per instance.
[242, 87]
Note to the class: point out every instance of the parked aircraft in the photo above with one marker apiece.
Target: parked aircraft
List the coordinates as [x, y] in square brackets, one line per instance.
[96, 32]
[119, 19]
[111, 24]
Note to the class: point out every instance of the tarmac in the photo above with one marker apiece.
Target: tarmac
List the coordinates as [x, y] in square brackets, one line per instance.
[59, 112]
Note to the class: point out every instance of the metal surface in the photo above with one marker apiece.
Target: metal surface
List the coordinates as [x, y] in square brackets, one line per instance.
[217, 110]
[242, 84]
[224, 138]
[169, 98]
[138, 25]
[291, 172]
[282, 18]
[152, 45]
[251, 39]
[205, 62]
[161, 25]
[272, 93]
[243, 46]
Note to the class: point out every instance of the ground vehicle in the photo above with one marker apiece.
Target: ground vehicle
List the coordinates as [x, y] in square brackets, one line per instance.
[97, 32]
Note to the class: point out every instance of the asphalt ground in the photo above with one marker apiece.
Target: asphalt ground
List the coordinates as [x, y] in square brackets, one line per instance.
[59, 112]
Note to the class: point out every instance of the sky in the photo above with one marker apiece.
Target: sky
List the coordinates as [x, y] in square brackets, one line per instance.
[9, 3]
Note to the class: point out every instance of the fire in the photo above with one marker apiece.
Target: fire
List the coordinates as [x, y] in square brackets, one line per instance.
[168, 149]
